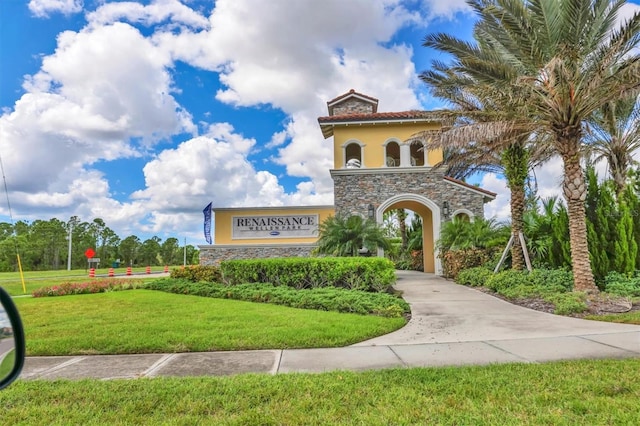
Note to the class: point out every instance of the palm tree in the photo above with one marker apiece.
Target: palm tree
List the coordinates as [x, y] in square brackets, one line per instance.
[615, 136]
[458, 234]
[463, 158]
[346, 236]
[549, 65]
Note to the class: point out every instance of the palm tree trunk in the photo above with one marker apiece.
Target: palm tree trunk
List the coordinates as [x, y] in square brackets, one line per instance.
[402, 225]
[517, 225]
[575, 193]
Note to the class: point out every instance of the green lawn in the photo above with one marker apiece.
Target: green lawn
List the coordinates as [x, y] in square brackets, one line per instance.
[145, 321]
[604, 392]
[625, 318]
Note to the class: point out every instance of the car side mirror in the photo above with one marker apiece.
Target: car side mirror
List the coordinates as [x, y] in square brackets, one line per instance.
[12, 344]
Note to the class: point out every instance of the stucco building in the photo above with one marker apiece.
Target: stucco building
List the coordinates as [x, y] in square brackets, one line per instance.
[379, 165]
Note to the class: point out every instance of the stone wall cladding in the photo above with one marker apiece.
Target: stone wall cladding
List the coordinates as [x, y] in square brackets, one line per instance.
[353, 192]
[352, 106]
[213, 255]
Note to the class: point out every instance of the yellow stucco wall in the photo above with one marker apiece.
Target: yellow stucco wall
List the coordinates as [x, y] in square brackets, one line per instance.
[374, 137]
[223, 223]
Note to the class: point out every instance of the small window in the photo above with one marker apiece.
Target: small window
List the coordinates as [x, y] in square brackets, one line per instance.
[462, 217]
[417, 154]
[392, 154]
[353, 153]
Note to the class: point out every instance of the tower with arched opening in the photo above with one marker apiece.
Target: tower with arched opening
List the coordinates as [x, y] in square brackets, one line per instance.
[380, 165]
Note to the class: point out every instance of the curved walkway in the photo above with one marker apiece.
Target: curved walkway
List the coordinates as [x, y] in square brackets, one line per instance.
[450, 325]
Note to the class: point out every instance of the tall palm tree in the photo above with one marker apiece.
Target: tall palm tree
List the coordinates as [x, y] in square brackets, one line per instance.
[553, 63]
[615, 137]
[462, 158]
[346, 236]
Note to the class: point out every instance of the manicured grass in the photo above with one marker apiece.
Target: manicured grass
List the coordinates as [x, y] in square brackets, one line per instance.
[566, 393]
[625, 318]
[145, 321]
[34, 280]
[7, 363]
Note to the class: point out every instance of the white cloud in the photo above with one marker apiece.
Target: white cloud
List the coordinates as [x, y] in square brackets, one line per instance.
[156, 12]
[107, 93]
[209, 167]
[549, 178]
[445, 8]
[99, 91]
[499, 208]
[295, 56]
[43, 8]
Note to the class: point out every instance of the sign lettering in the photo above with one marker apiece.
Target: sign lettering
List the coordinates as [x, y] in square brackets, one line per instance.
[289, 226]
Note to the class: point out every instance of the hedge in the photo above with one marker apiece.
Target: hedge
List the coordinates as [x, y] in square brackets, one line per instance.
[373, 274]
[325, 299]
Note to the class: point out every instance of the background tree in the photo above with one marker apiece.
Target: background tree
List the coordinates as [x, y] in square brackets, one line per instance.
[129, 248]
[169, 251]
[150, 251]
[548, 232]
[614, 136]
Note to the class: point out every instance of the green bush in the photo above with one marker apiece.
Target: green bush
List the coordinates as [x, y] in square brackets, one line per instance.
[619, 284]
[568, 303]
[507, 279]
[552, 285]
[474, 277]
[326, 299]
[553, 279]
[455, 261]
[522, 291]
[197, 273]
[356, 273]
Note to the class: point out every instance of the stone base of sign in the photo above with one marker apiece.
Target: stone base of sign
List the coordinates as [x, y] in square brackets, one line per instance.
[214, 254]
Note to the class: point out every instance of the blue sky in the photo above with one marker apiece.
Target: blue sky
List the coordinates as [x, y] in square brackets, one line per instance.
[141, 113]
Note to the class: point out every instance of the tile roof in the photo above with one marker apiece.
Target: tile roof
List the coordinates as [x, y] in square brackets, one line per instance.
[381, 116]
[327, 123]
[348, 94]
[465, 184]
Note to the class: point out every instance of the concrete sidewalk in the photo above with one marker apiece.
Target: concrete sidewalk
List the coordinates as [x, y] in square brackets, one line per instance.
[450, 325]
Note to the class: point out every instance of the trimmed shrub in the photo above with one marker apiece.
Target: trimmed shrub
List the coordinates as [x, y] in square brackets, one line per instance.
[553, 279]
[474, 277]
[568, 303]
[197, 273]
[455, 261]
[356, 273]
[618, 284]
[325, 299]
[506, 279]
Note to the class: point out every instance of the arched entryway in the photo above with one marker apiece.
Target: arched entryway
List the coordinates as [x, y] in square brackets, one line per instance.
[430, 215]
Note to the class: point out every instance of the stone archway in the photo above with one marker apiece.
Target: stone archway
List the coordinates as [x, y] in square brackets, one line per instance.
[429, 211]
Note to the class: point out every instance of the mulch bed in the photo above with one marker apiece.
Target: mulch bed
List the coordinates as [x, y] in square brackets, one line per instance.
[596, 304]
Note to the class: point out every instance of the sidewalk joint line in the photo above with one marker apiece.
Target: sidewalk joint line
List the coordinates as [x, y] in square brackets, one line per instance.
[55, 368]
[158, 365]
[510, 353]
[276, 364]
[585, 337]
[404, 364]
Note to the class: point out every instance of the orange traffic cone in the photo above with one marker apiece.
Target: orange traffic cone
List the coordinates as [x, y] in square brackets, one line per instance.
[111, 274]
[128, 270]
[148, 269]
[92, 273]
[166, 269]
